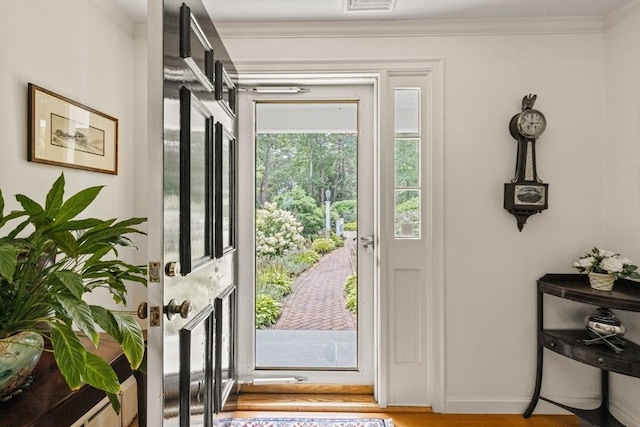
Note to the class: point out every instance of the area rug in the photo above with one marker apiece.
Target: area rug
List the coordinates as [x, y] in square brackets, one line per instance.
[303, 422]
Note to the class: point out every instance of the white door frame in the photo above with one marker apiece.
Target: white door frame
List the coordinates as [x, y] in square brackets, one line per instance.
[434, 175]
[361, 90]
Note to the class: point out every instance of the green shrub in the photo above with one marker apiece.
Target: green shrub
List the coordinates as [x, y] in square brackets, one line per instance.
[351, 292]
[350, 226]
[267, 311]
[323, 246]
[347, 209]
[309, 256]
[273, 280]
[296, 263]
[277, 231]
[337, 240]
[304, 208]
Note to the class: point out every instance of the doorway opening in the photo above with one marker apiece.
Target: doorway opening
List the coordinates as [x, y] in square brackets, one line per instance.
[338, 113]
[306, 223]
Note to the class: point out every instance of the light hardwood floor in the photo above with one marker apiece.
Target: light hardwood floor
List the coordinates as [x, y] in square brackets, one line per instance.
[433, 420]
[310, 400]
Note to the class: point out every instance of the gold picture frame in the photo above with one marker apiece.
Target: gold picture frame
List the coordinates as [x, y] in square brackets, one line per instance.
[65, 133]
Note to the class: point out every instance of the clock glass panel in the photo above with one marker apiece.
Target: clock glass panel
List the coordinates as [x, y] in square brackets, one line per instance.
[529, 195]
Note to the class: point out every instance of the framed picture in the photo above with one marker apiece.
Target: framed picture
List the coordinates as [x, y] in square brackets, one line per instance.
[196, 369]
[225, 191]
[225, 371]
[196, 183]
[225, 90]
[65, 133]
[195, 48]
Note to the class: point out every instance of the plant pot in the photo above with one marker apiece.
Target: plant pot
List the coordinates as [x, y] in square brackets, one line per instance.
[602, 281]
[19, 354]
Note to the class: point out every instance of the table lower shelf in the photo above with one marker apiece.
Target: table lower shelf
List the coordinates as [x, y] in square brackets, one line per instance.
[600, 416]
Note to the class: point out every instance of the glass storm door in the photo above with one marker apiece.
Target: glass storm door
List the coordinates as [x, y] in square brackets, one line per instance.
[312, 241]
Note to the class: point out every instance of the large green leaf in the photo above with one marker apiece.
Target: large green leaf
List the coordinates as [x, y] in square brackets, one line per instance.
[69, 353]
[80, 224]
[8, 261]
[80, 313]
[104, 318]
[54, 197]
[132, 341]
[12, 215]
[77, 203]
[31, 207]
[100, 374]
[72, 281]
[115, 402]
[65, 241]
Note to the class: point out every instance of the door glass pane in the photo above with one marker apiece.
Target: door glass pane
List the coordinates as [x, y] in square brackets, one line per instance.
[407, 214]
[407, 163]
[306, 228]
[407, 112]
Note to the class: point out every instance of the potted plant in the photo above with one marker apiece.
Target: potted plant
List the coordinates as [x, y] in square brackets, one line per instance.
[603, 267]
[48, 261]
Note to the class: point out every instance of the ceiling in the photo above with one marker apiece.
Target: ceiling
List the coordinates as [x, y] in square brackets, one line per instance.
[309, 10]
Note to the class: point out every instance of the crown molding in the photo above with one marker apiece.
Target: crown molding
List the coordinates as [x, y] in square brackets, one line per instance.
[115, 15]
[619, 14]
[407, 28]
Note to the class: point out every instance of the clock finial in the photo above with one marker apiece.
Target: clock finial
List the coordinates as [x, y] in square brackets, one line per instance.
[528, 101]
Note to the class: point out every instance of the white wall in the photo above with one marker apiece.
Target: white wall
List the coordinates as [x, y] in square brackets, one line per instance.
[621, 171]
[83, 50]
[491, 268]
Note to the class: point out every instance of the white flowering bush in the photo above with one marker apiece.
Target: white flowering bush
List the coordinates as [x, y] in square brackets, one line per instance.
[606, 262]
[277, 231]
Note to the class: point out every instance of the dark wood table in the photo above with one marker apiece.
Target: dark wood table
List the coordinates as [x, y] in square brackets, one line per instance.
[49, 402]
[570, 342]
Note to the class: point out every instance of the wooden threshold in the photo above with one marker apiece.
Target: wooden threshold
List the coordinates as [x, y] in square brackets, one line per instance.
[313, 398]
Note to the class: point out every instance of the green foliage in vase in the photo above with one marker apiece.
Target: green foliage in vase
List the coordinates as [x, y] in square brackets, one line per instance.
[48, 261]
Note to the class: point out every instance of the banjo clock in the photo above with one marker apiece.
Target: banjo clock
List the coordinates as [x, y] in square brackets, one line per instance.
[526, 194]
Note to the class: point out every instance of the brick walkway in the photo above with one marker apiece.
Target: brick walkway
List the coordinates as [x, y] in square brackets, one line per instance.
[317, 300]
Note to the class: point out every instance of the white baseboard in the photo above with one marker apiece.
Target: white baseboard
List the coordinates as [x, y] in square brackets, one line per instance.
[624, 417]
[454, 406]
[514, 406]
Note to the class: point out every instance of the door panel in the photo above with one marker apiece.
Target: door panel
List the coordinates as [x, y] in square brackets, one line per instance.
[183, 219]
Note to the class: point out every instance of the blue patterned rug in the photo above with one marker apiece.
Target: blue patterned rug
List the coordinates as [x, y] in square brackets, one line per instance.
[302, 422]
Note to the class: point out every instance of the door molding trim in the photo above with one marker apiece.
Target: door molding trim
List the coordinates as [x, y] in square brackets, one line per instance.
[380, 70]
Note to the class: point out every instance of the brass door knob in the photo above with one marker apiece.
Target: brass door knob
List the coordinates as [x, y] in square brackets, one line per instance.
[173, 308]
[143, 311]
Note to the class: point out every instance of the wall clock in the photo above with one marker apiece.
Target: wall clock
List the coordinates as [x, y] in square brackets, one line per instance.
[526, 194]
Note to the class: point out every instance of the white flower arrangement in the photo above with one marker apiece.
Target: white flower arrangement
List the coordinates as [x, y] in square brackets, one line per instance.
[606, 262]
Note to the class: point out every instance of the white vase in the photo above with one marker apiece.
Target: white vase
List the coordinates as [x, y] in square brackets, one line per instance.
[602, 281]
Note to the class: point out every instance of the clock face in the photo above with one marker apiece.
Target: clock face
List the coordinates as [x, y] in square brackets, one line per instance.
[531, 123]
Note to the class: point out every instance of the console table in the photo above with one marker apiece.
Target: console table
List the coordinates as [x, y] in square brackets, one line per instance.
[50, 402]
[569, 342]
